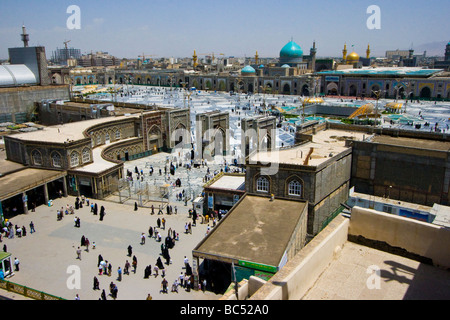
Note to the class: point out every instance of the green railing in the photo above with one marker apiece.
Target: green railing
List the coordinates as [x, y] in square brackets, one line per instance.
[331, 217]
[27, 292]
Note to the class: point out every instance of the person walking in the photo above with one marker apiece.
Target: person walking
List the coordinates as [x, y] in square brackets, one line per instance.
[164, 285]
[16, 264]
[134, 263]
[32, 227]
[119, 274]
[79, 253]
[96, 284]
[130, 250]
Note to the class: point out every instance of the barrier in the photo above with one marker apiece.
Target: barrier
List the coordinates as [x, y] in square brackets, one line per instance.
[27, 292]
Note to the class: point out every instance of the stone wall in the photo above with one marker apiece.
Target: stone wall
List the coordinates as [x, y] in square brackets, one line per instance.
[18, 104]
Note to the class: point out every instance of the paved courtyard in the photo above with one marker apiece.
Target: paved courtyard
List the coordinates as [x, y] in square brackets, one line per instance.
[48, 255]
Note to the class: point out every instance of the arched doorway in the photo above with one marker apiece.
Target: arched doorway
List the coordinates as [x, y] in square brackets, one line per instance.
[250, 88]
[265, 143]
[425, 93]
[219, 143]
[373, 89]
[352, 91]
[305, 90]
[154, 138]
[181, 136]
[286, 88]
[332, 88]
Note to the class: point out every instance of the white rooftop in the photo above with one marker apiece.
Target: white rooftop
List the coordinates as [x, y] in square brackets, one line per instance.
[231, 182]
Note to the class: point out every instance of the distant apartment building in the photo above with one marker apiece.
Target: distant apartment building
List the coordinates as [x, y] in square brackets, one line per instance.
[99, 59]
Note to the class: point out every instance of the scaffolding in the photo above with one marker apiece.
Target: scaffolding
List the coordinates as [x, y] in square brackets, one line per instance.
[141, 192]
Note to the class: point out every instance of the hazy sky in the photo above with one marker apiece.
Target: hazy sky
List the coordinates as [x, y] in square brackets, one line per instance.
[233, 27]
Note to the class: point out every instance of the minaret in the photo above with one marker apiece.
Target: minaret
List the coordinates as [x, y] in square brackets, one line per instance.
[25, 37]
[313, 52]
[368, 52]
[194, 58]
[256, 58]
[344, 53]
[447, 52]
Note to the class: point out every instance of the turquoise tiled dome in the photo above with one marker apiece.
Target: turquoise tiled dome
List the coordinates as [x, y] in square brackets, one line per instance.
[248, 69]
[291, 50]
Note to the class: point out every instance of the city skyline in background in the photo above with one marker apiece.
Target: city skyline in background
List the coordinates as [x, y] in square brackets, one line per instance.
[235, 28]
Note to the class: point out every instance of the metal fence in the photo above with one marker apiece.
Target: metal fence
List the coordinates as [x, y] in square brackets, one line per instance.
[27, 292]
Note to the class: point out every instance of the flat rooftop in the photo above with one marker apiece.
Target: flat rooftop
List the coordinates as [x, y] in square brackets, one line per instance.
[394, 202]
[400, 278]
[26, 179]
[412, 142]
[256, 230]
[69, 131]
[325, 143]
[229, 182]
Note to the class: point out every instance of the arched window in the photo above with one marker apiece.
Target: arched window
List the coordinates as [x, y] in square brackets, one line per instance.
[74, 159]
[37, 158]
[262, 184]
[86, 155]
[56, 160]
[99, 139]
[117, 133]
[295, 188]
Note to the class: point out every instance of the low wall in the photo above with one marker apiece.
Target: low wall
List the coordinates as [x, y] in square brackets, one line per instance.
[294, 280]
[419, 238]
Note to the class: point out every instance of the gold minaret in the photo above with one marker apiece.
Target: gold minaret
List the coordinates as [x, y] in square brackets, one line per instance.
[256, 58]
[194, 58]
[344, 53]
[368, 52]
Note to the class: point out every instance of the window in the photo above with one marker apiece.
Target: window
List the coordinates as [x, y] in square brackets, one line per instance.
[262, 184]
[295, 188]
[56, 160]
[74, 159]
[99, 139]
[37, 158]
[117, 134]
[86, 155]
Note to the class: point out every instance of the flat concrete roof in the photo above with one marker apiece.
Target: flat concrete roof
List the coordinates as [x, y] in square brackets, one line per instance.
[24, 180]
[256, 230]
[347, 277]
[325, 143]
[100, 164]
[69, 131]
[394, 202]
[412, 142]
[230, 182]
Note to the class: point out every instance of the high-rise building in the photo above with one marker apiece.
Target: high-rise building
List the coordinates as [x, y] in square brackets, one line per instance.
[60, 56]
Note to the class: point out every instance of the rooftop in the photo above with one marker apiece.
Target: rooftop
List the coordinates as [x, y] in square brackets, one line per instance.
[384, 71]
[400, 278]
[256, 230]
[70, 131]
[229, 182]
[326, 143]
[412, 142]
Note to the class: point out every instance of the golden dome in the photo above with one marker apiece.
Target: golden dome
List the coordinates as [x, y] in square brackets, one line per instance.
[353, 57]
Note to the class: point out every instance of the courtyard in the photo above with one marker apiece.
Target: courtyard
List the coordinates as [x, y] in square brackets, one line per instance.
[48, 257]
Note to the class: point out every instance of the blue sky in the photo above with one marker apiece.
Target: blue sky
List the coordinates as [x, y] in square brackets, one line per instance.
[236, 28]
